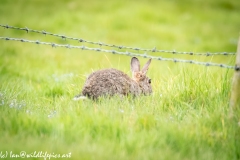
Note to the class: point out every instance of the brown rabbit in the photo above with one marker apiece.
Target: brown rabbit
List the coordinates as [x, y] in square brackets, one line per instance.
[109, 82]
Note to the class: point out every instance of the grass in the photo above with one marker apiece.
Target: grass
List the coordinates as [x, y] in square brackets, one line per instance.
[187, 117]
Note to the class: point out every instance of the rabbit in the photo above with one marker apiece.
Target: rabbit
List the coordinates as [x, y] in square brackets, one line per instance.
[110, 82]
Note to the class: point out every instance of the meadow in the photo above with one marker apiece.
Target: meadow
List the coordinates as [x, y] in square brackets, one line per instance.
[186, 117]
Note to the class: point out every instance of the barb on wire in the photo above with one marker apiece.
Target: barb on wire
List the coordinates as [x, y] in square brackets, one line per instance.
[115, 46]
[121, 53]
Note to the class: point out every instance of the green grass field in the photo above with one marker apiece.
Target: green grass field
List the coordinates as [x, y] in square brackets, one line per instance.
[186, 118]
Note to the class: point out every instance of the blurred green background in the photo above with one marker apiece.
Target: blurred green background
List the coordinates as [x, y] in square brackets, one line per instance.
[196, 26]
[187, 116]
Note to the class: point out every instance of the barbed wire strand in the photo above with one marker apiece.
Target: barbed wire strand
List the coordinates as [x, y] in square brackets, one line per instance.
[115, 46]
[145, 55]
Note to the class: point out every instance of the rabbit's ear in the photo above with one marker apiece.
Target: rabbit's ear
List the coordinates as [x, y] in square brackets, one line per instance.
[145, 67]
[135, 65]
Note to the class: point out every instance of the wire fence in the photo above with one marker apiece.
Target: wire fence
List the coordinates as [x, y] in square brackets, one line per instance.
[154, 49]
[121, 53]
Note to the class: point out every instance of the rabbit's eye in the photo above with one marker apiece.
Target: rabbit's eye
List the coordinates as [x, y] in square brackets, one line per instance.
[149, 81]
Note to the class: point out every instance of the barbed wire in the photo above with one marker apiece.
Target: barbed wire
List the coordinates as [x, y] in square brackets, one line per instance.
[145, 55]
[115, 46]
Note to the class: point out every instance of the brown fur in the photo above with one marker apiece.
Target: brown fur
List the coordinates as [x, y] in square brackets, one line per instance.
[109, 82]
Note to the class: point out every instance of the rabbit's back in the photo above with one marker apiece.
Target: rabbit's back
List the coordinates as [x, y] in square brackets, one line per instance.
[108, 82]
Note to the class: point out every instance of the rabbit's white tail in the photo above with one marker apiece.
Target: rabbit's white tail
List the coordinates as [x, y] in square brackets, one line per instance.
[79, 97]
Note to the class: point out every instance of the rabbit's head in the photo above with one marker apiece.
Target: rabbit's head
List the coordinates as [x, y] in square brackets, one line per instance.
[140, 77]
